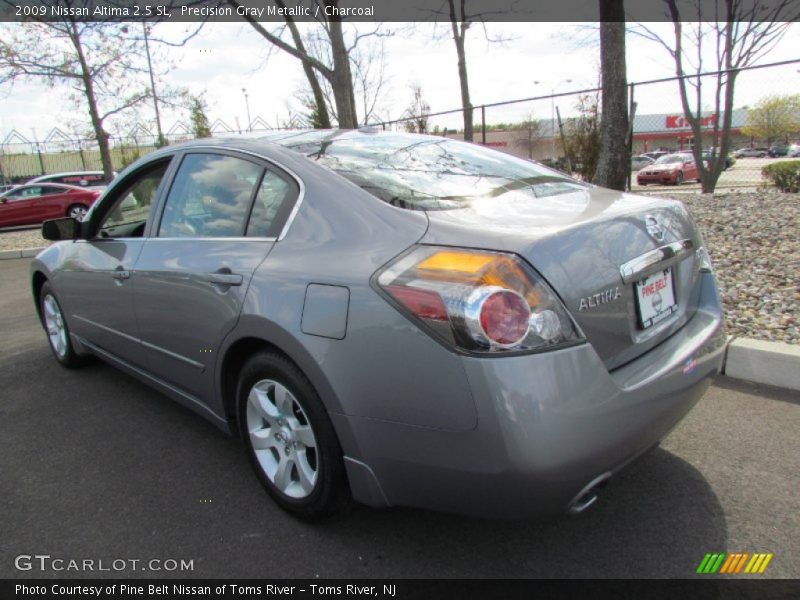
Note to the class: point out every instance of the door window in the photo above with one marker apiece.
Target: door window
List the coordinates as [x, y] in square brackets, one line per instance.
[128, 216]
[210, 197]
[24, 193]
[274, 198]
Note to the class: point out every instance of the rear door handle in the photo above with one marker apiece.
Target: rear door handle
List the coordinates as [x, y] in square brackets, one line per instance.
[224, 278]
[120, 274]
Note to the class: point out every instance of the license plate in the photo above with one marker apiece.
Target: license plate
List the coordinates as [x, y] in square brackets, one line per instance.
[655, 298]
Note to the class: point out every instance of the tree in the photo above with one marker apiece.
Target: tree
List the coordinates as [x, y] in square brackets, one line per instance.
[197, 117]
[742, 31]
[339, 74]
[99, 59]
[582, 137]
[367, 56]
[774, 118]
[613, 166]
[416, 115]
[532, 130]
[460, 22]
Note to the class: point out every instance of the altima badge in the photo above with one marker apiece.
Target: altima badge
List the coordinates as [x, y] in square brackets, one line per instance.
[603, 297]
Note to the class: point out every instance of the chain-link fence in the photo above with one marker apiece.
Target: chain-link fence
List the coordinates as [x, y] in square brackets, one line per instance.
[562, 128]
[22, 159]
[559, 128]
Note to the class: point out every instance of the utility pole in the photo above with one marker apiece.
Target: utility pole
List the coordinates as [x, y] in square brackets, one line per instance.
[247, 106]
[161, 141]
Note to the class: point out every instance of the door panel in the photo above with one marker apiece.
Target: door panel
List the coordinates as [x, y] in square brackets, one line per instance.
[99, 296]
[97, 278]
[191, 281]
[189, 294]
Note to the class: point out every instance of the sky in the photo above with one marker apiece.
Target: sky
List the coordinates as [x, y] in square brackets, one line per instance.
[534, 59]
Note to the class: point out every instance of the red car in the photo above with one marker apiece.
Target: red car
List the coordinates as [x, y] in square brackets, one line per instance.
[669, 169]
[36, 202]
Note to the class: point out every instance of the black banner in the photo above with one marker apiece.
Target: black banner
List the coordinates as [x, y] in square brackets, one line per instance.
[484, 11]
[461, 589]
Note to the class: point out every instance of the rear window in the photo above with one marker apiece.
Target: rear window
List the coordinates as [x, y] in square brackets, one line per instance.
[429, 173]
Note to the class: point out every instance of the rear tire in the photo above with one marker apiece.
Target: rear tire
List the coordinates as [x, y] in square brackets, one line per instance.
[55, 325]
[77, 211]
[679, 178]
[290, 439]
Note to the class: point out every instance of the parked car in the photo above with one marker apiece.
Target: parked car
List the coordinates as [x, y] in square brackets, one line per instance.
[77, 178]
[751, 153]
[408, 320]
[777, 150]
[794, 150]
[5, 188]
[641, 161]
[671, 169]
[33, 203]
[729, 160]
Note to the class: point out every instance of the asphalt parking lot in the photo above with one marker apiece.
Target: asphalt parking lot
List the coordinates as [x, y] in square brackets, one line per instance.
[97, 465]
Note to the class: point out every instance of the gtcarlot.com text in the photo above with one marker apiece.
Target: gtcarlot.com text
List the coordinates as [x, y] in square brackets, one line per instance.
[46, 563]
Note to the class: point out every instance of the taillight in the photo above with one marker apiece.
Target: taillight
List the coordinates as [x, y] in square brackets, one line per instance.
[479, 301]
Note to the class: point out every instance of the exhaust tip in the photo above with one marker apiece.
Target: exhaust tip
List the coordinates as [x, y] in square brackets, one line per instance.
[588, 495]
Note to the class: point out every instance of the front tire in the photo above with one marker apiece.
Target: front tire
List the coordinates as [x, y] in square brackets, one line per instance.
[55, 325]
[290, 439]
[77, 211]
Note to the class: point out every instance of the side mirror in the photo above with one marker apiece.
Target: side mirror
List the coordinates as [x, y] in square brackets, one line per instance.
[65, 228]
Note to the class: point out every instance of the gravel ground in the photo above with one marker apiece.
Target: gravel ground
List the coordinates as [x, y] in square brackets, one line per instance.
[754, 241]
[19, 240]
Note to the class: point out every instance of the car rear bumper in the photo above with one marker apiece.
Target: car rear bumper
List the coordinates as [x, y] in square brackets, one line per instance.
[548, 424]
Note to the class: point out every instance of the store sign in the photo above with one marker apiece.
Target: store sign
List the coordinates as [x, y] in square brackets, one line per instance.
[681, 122]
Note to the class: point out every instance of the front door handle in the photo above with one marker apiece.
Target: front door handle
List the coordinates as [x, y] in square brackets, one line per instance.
[225, 278]
[120, 274]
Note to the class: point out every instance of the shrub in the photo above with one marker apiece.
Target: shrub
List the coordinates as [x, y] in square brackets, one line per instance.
[784, 175]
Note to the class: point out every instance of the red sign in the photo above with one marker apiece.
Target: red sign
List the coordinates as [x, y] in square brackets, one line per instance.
[681, 122]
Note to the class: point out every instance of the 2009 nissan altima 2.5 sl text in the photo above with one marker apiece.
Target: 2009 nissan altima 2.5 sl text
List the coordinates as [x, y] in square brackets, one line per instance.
[398, 319]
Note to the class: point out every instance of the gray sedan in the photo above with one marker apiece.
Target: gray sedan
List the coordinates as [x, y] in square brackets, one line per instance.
[393, 318]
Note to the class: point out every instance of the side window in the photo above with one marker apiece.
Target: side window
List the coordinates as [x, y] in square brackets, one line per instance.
[24, 193]
[129, 214]
[275, 196]
[210, 197]
[49, 190]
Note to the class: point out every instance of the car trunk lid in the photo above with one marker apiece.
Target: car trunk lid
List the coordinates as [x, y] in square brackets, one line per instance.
[593, 246]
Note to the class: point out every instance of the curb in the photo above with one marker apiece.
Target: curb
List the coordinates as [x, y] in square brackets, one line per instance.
[770, 363]
[26, 253]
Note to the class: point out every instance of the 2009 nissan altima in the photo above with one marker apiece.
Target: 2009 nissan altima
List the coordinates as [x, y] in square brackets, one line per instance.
[398, 319]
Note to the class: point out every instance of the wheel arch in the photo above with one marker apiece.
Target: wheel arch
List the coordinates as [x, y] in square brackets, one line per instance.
[38, 280]
[254, 335]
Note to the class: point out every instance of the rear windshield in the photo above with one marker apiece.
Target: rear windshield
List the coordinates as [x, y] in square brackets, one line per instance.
[428, 173]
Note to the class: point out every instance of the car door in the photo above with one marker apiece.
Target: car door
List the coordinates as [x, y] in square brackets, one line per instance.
[218, 223]
[21, 206]
[54, 201]
[96, 281]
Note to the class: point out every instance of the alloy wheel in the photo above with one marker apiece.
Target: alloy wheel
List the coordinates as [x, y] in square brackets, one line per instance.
[78, 212]
[282, 438]
[54, 323]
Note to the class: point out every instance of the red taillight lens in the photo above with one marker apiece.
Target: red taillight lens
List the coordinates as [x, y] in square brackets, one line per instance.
[423, 303]
[477, 300]
[504, 317]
